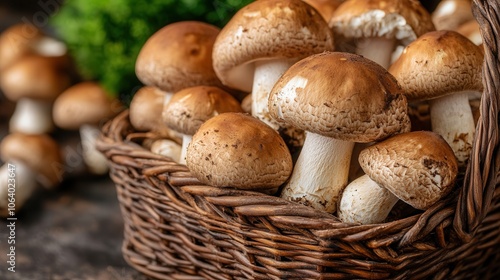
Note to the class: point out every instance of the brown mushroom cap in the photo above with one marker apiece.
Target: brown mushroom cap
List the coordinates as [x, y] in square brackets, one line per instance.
[177, 56]
[146, 108]
[340, 95]
[38, 77]
[325, 7]
[418, 167]
[404, 20]
[439, 63]
[267, 29]
[84, 103]
[189, 108]
[39, 152]
[16, 42]
[237, 150]
[450, 14]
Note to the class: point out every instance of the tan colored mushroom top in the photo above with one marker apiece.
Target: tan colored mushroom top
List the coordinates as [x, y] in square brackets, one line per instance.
[404, 20]
[146, 108]
[340, 95]
[189, 108]
[84, 103]
[238, 150]
[418, 167]
[17, 41]
[267, 29]
[177, 56]
[450, 14]
[39, 152]
[439, 63]
[325, 7]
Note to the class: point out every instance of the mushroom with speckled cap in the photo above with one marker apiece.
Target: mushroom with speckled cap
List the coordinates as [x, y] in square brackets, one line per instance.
[85, 107]
[240, 151]
[444, 67]
[29, 160]
[189, 108]
[418, 167]
[376, 27]
[339, 99]
[260, 42]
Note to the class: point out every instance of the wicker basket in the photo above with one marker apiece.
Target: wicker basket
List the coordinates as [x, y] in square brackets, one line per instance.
[177, 228]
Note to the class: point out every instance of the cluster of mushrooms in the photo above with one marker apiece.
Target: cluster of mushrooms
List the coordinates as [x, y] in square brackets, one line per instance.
[344, 106]
[38, 76]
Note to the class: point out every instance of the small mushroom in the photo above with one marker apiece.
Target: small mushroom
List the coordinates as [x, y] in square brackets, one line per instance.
[189, 108]
[445, 68]
[339, 99]
[240, 151]
[167, 148]
[28, 160]
[450, 14]
[85, 107]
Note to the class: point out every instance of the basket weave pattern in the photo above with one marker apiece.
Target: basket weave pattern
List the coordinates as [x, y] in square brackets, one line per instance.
[178, 228]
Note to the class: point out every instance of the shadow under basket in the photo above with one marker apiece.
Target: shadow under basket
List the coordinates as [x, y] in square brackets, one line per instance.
[178, 228]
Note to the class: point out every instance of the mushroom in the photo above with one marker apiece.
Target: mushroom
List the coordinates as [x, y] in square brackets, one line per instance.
[189, 108]
[445, 67]
[34, 82]
[85, 107]
[29, 159]
[339, 99]
[240, 151]
[167, 148]
[178, 56]
[417, 167]
[378, 26]
[472, 31]
[450, 14]
[325, 7]
[250, 60]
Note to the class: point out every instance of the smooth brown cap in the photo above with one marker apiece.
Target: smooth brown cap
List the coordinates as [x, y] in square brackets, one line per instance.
[177, 56]
[189, 108]
[146, 108]
[238, 150]
[404, 20]
[39, 152]
[16, 42]
[84, 103]
[450, 14]
[340, 95]
[418, 167]
[268, 29]
[37, 77]
[439, 63]
[472, 31]
[325, 7]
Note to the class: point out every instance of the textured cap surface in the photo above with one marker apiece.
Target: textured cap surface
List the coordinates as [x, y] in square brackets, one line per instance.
[404, 20]
[189, 108]
[268, 29]
[84, 103]
[439, 63]
[237, 150]
[340, 95]
[178, 56]
[418, 167]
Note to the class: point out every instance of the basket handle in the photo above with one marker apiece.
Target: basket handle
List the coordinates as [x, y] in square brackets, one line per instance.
[483, 175]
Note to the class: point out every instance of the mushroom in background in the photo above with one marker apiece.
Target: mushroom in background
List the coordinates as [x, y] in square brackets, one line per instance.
[250, 60]
[418, 167]
[189, 108]
[471, 30]
[84, 107]
[325, 7]
[339, 99]
[450, 14]
[240, 151]
[445, 68]
[30, 160]
[167, 148]
[376, 27]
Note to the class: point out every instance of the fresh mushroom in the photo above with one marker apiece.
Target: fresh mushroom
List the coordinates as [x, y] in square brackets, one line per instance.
[189, 108]
[240, 151]
[325, 7]
[450, 14]
[85, 107]
[339, 99]
[377, 27]
[445, 67]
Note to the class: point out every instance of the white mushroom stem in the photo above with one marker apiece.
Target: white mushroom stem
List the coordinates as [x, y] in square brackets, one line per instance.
[186, 139]
[167, 148]
[378, 49]
[17, 184]
[451, 117]
[96, 162]
[267, 73]
[320, 173]
[364, 201]
[32, 117]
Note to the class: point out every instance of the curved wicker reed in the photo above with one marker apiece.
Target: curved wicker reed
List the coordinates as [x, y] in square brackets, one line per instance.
[177, 228]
